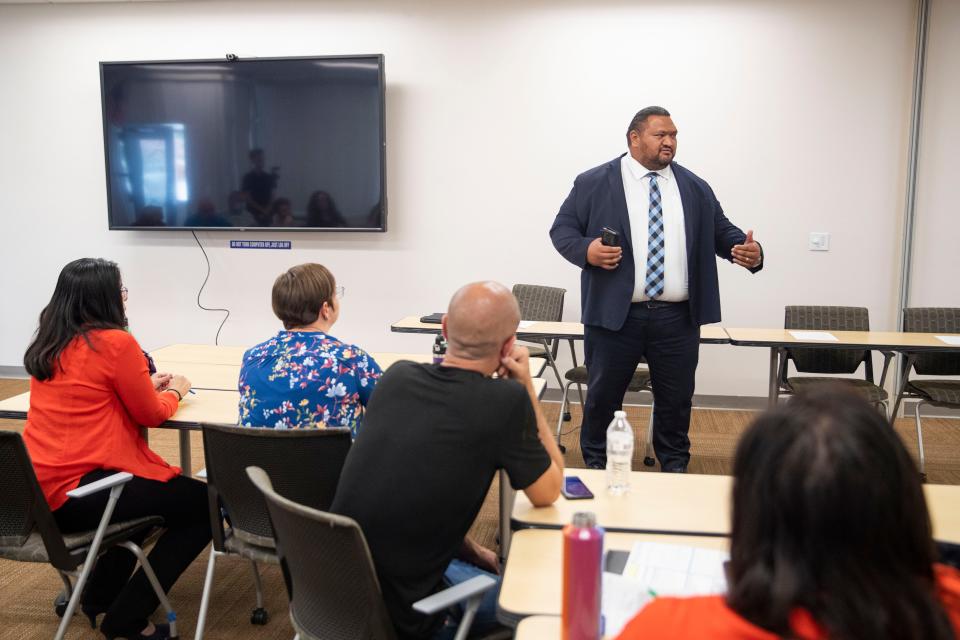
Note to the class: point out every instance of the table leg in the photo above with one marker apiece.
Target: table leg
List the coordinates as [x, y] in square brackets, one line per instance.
[506, 508]
[772, 383]
[185, 462]
[551, 362]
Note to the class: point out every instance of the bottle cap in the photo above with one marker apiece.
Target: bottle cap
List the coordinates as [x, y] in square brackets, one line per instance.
[583, 519]
[619, 414]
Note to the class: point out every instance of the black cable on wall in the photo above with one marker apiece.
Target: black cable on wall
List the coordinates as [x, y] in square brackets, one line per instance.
[216, 339]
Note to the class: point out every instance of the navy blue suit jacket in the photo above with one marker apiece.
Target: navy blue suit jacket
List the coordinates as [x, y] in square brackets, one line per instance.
[598, 200]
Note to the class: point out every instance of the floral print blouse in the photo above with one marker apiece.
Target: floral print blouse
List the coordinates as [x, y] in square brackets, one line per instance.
[303, 379]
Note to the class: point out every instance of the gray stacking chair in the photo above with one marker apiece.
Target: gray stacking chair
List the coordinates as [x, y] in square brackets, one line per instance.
[639, 382]
[333, 587]
[29, 532]
[937, 392]
[542, 303]
[832, 361]
[305, 465]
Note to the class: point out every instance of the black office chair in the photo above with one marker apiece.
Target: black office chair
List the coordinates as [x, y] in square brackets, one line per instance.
[832, 361]
[333, 587]
[29, 532]
[305, 464]
[937, 392]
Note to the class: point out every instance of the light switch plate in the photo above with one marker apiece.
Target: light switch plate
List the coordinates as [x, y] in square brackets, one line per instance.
[819, 241]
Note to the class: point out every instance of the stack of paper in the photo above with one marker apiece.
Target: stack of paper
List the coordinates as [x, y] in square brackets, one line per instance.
[657, 569]
[811, 336]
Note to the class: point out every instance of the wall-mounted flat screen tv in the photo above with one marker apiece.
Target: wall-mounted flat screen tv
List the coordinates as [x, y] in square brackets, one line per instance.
[279, 143]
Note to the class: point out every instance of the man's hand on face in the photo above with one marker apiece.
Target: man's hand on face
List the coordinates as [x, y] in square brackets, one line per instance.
[516, 365]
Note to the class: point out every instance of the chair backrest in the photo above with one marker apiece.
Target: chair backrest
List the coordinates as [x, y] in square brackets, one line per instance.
[333, 588]
[305, 465]
[23, 507]
[934, 320]
[539, 303]
[821, 318]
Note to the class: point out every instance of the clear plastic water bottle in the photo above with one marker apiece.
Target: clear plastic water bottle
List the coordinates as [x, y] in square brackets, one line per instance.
[619, 454]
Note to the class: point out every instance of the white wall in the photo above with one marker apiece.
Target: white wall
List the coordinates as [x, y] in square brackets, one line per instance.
[794, 111]
[936, 258]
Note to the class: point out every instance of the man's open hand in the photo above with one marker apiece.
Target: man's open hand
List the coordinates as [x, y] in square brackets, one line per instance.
[748, 254]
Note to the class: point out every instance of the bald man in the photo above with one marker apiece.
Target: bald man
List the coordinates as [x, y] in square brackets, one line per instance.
[433, 437]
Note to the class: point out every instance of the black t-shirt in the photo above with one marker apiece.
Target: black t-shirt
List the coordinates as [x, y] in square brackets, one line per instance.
[418, 473]
[260, 186]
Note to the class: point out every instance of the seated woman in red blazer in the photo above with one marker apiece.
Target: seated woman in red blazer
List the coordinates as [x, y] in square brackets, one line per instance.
[831, 537]
[90, 392]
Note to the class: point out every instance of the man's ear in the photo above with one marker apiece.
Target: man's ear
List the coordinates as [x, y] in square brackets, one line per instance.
[507, 347]
[443, 327]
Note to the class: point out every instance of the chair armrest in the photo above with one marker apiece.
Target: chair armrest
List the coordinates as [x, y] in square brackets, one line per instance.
[109, 482]
[455, 594]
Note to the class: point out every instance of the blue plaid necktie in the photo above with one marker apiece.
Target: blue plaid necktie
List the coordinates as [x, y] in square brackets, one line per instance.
[653, 285]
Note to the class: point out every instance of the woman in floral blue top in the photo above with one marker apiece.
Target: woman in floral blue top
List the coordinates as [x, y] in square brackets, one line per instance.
[303, 377]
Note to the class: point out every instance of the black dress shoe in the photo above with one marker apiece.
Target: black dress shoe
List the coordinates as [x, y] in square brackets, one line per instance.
[92, 611]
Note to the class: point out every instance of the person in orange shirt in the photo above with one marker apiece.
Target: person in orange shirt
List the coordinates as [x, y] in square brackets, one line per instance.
[90, 393]
[831, 537]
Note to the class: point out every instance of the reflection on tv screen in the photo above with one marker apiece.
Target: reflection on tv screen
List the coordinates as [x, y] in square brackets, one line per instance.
[266, 143]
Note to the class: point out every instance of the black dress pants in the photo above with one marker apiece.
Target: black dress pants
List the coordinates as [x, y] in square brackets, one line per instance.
[663, 334]
[129, 601]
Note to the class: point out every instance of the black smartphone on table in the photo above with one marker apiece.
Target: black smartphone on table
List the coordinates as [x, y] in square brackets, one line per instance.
[609, 237]
[574, 489]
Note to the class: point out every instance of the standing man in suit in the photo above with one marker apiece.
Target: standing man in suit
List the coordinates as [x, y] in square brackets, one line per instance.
[647, 297]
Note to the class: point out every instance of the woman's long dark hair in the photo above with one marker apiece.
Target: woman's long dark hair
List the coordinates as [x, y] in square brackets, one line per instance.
[322, 211]
[829, 516]
[87, 296]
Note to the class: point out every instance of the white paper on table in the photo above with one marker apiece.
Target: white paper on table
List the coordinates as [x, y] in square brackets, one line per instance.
[621, 599]
[953, 341]
[524, 324]
[677, 570]
[823, 336]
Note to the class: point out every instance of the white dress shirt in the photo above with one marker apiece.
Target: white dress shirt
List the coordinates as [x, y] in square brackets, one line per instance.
[636, 186]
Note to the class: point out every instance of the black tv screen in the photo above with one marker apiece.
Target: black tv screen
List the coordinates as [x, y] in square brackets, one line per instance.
[281, 143]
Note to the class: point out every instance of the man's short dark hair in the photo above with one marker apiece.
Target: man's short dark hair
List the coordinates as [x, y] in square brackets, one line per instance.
[641, 118]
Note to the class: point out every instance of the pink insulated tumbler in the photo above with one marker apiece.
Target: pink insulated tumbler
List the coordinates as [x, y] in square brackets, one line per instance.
[582, 560]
